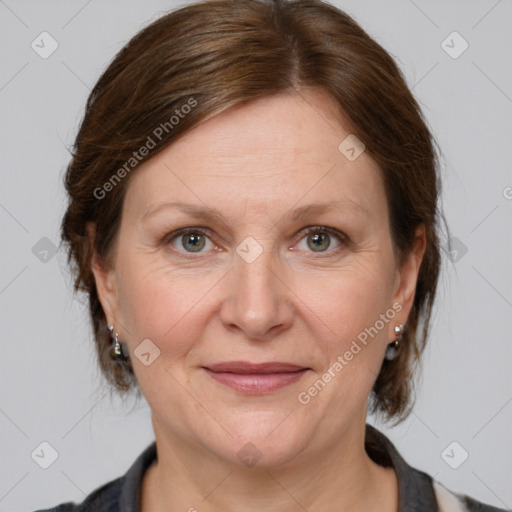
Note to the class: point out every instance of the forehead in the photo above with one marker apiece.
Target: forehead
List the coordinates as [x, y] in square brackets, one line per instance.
[280, 150]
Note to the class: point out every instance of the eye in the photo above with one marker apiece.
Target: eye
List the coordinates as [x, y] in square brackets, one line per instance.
[319, 239]
[191, 240]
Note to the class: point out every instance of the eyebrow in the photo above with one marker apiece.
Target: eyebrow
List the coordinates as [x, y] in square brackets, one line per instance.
[206, 213]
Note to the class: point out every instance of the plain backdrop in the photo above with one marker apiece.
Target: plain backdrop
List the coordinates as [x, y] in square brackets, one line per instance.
[51, 390]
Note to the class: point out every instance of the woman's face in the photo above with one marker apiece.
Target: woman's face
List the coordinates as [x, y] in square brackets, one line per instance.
[249, 284]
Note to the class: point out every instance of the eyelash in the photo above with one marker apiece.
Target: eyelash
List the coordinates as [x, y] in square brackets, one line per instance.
[341, 237]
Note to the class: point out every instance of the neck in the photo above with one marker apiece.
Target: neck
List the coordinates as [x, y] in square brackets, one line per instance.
[189, 478]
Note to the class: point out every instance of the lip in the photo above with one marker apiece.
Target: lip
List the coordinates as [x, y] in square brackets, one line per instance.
[255, 379]
[244, 367]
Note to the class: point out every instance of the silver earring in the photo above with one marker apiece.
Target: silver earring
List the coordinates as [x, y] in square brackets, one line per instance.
[117, 346]
[392, 348]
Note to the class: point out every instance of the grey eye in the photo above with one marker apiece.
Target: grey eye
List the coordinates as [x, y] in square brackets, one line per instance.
[190, 241]
[319, 241]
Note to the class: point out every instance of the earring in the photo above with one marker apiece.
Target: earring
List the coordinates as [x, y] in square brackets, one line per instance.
[392, 348]
[117, 353]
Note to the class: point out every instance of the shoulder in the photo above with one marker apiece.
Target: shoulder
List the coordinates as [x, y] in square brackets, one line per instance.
[450, 501]
[418, 491]
[118, 495]
[103, 499]
[63, 507]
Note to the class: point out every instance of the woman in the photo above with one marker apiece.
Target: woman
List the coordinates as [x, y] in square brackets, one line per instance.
[282, 143]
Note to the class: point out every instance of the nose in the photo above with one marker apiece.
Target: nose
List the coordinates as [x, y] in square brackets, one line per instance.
[258, 301]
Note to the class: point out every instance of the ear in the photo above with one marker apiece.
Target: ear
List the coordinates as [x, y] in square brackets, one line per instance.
[105, 279]
[406, 280]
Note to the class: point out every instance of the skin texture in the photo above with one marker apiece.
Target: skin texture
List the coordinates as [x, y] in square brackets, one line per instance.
[295, 303]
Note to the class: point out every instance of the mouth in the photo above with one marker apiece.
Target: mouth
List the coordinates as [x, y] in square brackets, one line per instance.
[255, 379]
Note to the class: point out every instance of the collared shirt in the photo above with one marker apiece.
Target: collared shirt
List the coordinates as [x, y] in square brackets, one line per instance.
[418, 492]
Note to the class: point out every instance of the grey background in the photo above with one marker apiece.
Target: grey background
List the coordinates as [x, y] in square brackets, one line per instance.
[50, 386]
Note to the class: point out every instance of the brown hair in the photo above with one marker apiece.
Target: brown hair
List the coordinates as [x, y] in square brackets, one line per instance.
[213, 55]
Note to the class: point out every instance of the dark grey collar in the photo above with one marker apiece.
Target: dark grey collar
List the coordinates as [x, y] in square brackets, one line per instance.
[415, 491]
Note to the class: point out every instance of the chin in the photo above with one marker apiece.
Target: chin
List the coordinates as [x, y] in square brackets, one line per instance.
[264, 439]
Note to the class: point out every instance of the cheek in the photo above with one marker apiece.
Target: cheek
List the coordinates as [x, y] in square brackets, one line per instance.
[355, 313]
[345, 313]
[350, 302]
[159, 305]
[166, 309]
